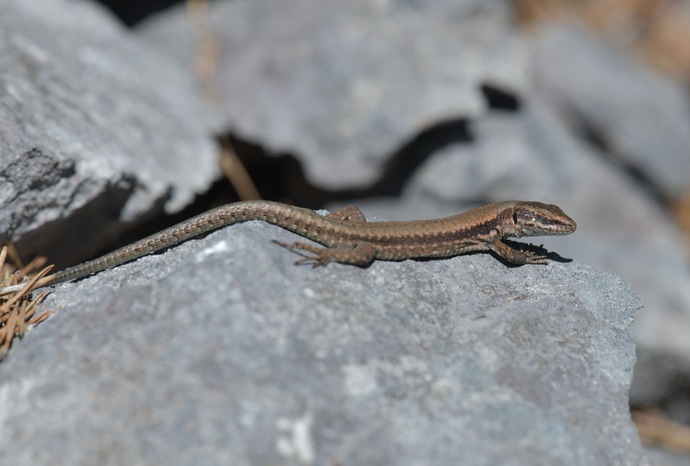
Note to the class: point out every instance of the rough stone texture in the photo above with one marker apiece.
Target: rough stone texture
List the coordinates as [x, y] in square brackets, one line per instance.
[343, 85]
[95, 126]
[641, 116]
[221, 351]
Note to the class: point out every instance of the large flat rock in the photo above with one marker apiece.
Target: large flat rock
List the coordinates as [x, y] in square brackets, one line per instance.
[221, 351]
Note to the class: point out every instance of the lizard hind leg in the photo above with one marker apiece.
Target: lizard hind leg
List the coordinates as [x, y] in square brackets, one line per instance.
[361, 254]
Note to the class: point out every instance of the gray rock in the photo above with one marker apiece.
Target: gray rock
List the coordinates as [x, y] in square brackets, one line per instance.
[530, 155]
[221, 351]
[642, 117]
[96, 127]
[661, 457]
[509, 157]
[343, 85]
[621, 228]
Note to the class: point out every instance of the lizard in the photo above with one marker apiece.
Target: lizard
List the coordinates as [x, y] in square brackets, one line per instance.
[346, 236]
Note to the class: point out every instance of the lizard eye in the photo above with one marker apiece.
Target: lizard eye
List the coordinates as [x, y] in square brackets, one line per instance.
[515, 217]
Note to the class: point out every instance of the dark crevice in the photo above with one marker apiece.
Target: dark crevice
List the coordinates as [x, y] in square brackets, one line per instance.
[69, 240]
[500, 99]
[281, 176]
[131, 13]
[403, 164]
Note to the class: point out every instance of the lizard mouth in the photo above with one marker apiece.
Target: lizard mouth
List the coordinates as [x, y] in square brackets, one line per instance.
[552, 229]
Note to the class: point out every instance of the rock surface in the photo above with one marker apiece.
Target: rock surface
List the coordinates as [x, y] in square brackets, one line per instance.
[97, 129]
[640, 115]
[344, 85]
[222, 351]
[532, 153]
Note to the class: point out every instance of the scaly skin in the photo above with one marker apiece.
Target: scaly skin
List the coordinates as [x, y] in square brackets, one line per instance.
[349, 239]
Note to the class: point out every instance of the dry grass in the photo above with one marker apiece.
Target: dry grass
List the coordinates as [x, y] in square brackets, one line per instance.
[18, 310]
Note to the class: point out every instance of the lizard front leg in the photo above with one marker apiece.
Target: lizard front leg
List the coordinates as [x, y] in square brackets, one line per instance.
[361, 253]
[514, 256]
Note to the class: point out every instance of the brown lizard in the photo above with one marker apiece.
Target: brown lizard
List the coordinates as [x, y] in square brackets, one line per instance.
[349, 239]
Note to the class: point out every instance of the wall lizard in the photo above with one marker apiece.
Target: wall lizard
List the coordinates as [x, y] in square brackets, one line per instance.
[349, 239]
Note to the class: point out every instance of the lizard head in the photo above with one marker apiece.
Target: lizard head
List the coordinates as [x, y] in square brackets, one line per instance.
[537, 219]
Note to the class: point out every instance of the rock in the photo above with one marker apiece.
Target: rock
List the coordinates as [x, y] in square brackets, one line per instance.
[639, 115]
[663, 457]
[344, 85]
[97, 129]
[221, 351]
[622, 228]
[531, 155]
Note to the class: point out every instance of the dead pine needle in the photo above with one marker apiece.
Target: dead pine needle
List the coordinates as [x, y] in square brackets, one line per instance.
[18, 309]
[656, 429]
